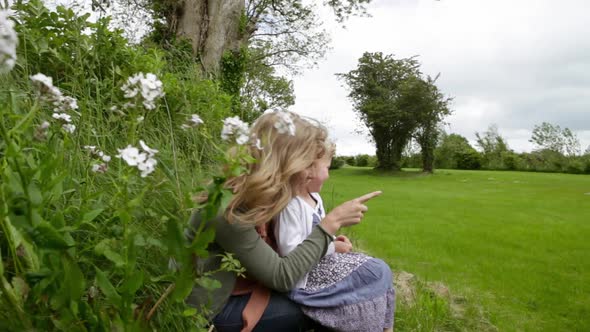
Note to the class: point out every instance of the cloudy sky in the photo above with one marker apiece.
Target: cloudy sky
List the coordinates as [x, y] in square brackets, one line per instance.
[510, 63]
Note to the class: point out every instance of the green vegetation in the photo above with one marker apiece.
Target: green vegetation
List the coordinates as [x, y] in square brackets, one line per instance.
[514, 245]
[85, 237]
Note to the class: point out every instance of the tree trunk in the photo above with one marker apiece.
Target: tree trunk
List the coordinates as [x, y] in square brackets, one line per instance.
[427, 159]
[212, 26]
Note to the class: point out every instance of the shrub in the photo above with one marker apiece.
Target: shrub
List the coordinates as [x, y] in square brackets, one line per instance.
[350, 161]
[86, 237]
[362, 160]
[468, 159]
[337, 162]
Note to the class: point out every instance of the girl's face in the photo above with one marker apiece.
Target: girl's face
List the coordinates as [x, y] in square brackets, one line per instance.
[319, 174]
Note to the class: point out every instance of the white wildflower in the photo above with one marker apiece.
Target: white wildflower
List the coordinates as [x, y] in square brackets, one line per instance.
[8, 42]
[70, 128]
[151, 152]
[242, 139]
[44, 85]
[44, 125]
[147, 166]
[91, 148]
[234, 127]
[144, 161]
[285, 124]
[63, 117]
[131, 155]
[104, 159]
[100, 168]
[67, 104]
[145, 87]
[193, 122]
[52, 94]
[140, 119]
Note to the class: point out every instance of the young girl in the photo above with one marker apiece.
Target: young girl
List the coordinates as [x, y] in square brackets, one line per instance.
[346, 291]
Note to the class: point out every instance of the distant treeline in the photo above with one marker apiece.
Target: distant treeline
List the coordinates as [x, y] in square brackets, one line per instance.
[455, 152]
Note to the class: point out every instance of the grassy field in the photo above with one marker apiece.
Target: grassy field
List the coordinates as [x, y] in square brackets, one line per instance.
[515, 245]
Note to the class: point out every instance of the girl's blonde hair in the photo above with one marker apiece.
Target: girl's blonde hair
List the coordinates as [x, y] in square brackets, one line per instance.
[282, 164]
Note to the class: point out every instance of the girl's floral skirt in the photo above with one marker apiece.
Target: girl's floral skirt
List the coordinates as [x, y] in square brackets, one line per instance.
[349, 292]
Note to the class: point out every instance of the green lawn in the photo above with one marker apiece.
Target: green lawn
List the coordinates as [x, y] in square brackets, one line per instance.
[516, 244]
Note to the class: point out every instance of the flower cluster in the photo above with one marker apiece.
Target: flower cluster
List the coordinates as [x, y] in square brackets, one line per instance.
[145, 87]
[285, 123]
[235, 128]
[193, 122]
[52, 95]
[144, 161]
[8, 41]
[103, 159]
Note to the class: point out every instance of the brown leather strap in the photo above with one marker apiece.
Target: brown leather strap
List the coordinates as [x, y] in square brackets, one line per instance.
[255, 307]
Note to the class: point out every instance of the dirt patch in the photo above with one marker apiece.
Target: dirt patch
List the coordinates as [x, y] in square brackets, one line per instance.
[404, 287]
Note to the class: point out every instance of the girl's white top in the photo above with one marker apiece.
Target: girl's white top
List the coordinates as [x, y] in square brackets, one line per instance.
[294, 224]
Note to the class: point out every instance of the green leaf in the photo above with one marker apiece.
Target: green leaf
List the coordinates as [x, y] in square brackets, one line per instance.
[14, 183]
[155, 243]
[104, 248]
[21, 289]
[209, 283]
[225, 199]
[174, 239]
[114, 257]
[90, 216]
[189, 312]
[124, 217]
[45, 236]
[36, 218]
[107, 288]
[35, 195]
[202, 240]
[74, 282]
[183, 286]
[132, 283]
[58, 220]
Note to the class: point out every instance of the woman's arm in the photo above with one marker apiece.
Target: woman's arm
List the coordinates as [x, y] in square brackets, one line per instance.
[282, 273]
[263, 263]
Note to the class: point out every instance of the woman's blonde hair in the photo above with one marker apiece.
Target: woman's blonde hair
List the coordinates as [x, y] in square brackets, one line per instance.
[283, 160]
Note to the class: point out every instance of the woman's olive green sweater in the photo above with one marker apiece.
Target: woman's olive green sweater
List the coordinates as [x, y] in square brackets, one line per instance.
[260, 260]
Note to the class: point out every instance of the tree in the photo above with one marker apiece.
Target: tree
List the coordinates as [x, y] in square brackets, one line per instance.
[264, 90]
[587, 151]
[571, 143]
[455, 151]
[289, 29]
[393, 100]
[493, 147]
[431, 106]
[552, 137]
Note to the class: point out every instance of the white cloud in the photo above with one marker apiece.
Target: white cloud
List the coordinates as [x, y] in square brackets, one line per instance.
[515, 64]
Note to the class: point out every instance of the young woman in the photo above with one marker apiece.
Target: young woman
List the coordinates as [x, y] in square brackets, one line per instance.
[257, 303]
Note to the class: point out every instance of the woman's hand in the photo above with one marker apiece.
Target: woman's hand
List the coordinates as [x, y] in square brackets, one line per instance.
[348, 213]
[342, 244]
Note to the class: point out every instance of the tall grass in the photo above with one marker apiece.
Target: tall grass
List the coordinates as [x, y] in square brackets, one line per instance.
[83, 250]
